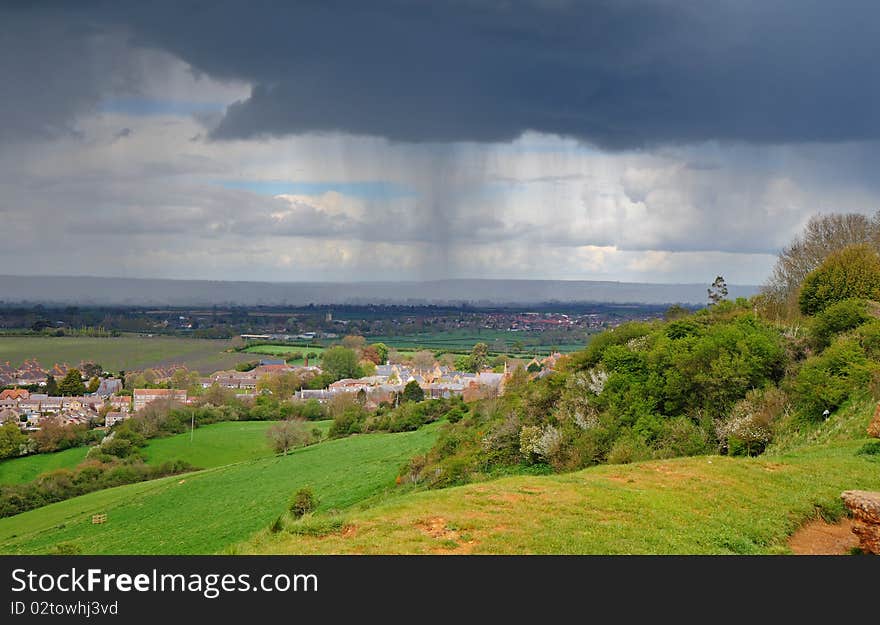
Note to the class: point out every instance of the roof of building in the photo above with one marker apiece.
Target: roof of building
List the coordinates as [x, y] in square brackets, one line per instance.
[108, 386]
[15, 393]
[7, 414]
[169, 392]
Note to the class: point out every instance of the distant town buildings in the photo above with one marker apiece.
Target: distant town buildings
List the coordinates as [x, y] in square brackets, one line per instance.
[145, 396]
[110, 404]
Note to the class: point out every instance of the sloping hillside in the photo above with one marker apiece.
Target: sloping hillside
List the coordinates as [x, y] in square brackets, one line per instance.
[207, 511]
[848, 423]
[698, 505]
[212, 446]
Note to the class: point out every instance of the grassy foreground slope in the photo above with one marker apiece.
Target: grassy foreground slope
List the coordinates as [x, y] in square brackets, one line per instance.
[212, 446]
[697, 505]
[205, 512]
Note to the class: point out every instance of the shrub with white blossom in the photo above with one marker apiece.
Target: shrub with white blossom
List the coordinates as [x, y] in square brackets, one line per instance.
[598, 378]
[543, 442]
[749, 427]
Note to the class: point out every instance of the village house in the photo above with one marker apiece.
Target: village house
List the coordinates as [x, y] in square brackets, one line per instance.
[234, 380]
[30, 406]
[145, 396]
[321, 394]
[88, 402]
[108, 387]
[349, 385]
[442, 390]
[267, 369]
[113, 418]
[15, 394]
[120, 403]
[59, 371]
[7, 374]
[49, 404]
[30, 373]
[8, 415]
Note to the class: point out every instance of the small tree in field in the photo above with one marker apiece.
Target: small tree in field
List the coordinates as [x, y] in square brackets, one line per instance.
[303, 502]
[287, 435]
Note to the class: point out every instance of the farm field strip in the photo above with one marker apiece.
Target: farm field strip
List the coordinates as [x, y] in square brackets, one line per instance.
[128, 352]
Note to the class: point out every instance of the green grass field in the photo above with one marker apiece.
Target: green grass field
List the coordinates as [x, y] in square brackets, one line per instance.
[127, 352]
[280, 350]
[20, 470]
[211, 446]
[462, 341]
[697, 505]
[455, 341]
[207, 511]
[218, 444]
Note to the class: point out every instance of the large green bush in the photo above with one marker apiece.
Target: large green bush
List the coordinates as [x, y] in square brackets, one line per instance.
[837, 318]
[826, 381]
[853, 272]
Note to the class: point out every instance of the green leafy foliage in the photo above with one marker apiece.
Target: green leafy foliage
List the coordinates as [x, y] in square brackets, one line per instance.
[340, 362]
[72, 384]
[837, 318]
[11, 440]
[642, 390]
[91, 476]
[853, 272]
[827, 380]
[303, 502]
[413, 392]
[351, 418]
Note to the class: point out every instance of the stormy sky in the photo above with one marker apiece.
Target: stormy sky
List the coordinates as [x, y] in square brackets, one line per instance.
[634, 140]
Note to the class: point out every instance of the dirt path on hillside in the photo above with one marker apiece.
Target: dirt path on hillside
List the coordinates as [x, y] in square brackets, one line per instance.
[818, 538]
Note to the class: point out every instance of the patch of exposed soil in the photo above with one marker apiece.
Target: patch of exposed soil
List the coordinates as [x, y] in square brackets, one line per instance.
[818, 538]
[436, 527]
[348, 531]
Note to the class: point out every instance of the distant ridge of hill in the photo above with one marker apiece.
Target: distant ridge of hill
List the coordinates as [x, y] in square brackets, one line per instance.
[88, 290]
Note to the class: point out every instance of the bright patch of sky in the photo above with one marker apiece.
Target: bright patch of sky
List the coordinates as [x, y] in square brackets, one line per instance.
[374, 190]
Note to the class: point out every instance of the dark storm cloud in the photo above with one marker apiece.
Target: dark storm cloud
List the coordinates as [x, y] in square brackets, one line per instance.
[52, 68]
[617, 73]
